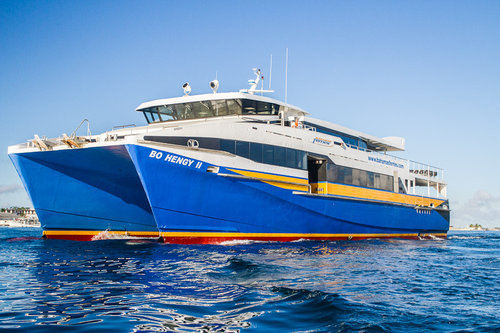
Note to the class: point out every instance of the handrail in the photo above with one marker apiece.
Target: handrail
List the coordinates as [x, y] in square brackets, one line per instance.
[123, 126]
[414, 167]
[73, 134]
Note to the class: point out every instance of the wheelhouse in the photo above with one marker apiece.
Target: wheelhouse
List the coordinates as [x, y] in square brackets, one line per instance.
[178, 109]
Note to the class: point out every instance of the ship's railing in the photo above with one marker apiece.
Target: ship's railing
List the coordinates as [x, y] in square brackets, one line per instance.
[124, 126]
[309, 128]
[420, 170]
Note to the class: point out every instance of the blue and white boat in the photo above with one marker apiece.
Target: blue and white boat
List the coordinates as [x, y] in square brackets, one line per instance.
[230, 166]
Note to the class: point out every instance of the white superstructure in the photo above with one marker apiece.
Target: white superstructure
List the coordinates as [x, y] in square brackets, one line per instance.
[229, 129]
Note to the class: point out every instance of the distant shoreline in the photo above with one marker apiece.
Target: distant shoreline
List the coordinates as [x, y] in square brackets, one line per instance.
[19, 223]
[474, 229]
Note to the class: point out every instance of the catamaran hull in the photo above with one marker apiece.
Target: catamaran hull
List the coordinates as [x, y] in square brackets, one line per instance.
[145, 192]
[80, 193]
[191, 205]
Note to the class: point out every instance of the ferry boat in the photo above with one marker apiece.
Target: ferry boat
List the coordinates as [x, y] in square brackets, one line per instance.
[219, 167]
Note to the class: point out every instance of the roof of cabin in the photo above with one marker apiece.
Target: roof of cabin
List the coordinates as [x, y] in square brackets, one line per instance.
[384, 144]
[387, 143]
[214, 97]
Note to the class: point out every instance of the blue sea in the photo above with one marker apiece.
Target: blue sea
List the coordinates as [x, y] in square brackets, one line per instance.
[127, 285]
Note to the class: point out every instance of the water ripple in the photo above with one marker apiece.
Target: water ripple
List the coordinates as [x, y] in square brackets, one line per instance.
[373, 286]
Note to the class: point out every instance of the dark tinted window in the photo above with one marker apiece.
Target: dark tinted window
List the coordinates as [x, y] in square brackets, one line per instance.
[301, 159]
[370, 181]
[268, 154]
[242, 149]
[227, 145]
[256, 152]
[291, 158]
[251, 107]
[193, 110]
[279, 156]
[349, 176]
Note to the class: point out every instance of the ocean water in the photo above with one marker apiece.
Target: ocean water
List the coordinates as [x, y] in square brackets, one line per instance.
[127, 285]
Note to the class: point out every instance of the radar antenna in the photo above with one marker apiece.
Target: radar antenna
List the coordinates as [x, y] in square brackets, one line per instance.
[254, 83]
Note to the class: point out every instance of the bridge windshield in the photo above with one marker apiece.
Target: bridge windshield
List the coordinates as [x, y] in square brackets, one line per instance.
[207, 109]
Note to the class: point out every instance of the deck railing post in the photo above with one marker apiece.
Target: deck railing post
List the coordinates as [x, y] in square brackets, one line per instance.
[428, 181]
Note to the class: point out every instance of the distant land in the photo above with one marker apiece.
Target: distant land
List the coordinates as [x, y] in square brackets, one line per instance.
[474, 227]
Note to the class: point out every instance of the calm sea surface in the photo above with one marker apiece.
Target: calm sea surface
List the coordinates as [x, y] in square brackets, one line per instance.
[373, 285]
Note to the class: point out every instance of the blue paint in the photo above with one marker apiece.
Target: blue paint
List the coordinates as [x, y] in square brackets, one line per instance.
[135, 188]
[85, 189]
[188, 199]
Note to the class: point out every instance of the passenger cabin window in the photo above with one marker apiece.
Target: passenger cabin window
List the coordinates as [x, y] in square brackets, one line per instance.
[258, 152]
[350, 176]
[261, 153]
[207, 109]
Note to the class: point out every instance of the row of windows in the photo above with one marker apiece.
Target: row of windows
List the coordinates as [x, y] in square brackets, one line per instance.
[207, 109]
[261, 108]
[268, 154]
[350, 176]
[257, 152]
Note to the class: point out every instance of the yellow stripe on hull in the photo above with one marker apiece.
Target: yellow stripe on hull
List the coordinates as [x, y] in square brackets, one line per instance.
[266, 176]
[342, 190]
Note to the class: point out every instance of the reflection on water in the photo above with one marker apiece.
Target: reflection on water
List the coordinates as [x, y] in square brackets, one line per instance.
[127, 285]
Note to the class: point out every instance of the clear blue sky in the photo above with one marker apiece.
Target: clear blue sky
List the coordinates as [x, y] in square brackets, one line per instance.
[428, 71]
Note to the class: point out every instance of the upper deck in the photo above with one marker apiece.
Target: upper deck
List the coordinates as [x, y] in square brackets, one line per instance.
[223, 117]
[224, 104]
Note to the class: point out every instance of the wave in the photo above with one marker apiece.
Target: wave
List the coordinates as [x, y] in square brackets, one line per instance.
[432, 237]
[235, 242]
[106, 235]
[22, 239]
[464, 237]
[311, 310]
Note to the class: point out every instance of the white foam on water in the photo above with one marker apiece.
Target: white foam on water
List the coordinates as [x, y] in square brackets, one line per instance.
[300, 240]
[463, 237]
[436, 238]
[106, 235]
[242, 242]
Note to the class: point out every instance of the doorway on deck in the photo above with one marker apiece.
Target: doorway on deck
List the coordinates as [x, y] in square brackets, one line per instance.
[316, 170]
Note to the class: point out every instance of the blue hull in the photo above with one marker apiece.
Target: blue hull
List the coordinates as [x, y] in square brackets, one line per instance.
[81, 192]
[139, 191]
[191, 205]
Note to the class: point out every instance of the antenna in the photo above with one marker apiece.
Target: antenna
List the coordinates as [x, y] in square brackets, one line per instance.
[255, 82]
[270, 71]
[286, 76]
[262, 85]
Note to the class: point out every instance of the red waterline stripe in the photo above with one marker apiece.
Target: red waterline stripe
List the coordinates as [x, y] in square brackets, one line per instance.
[89, 235]
[218, 240]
